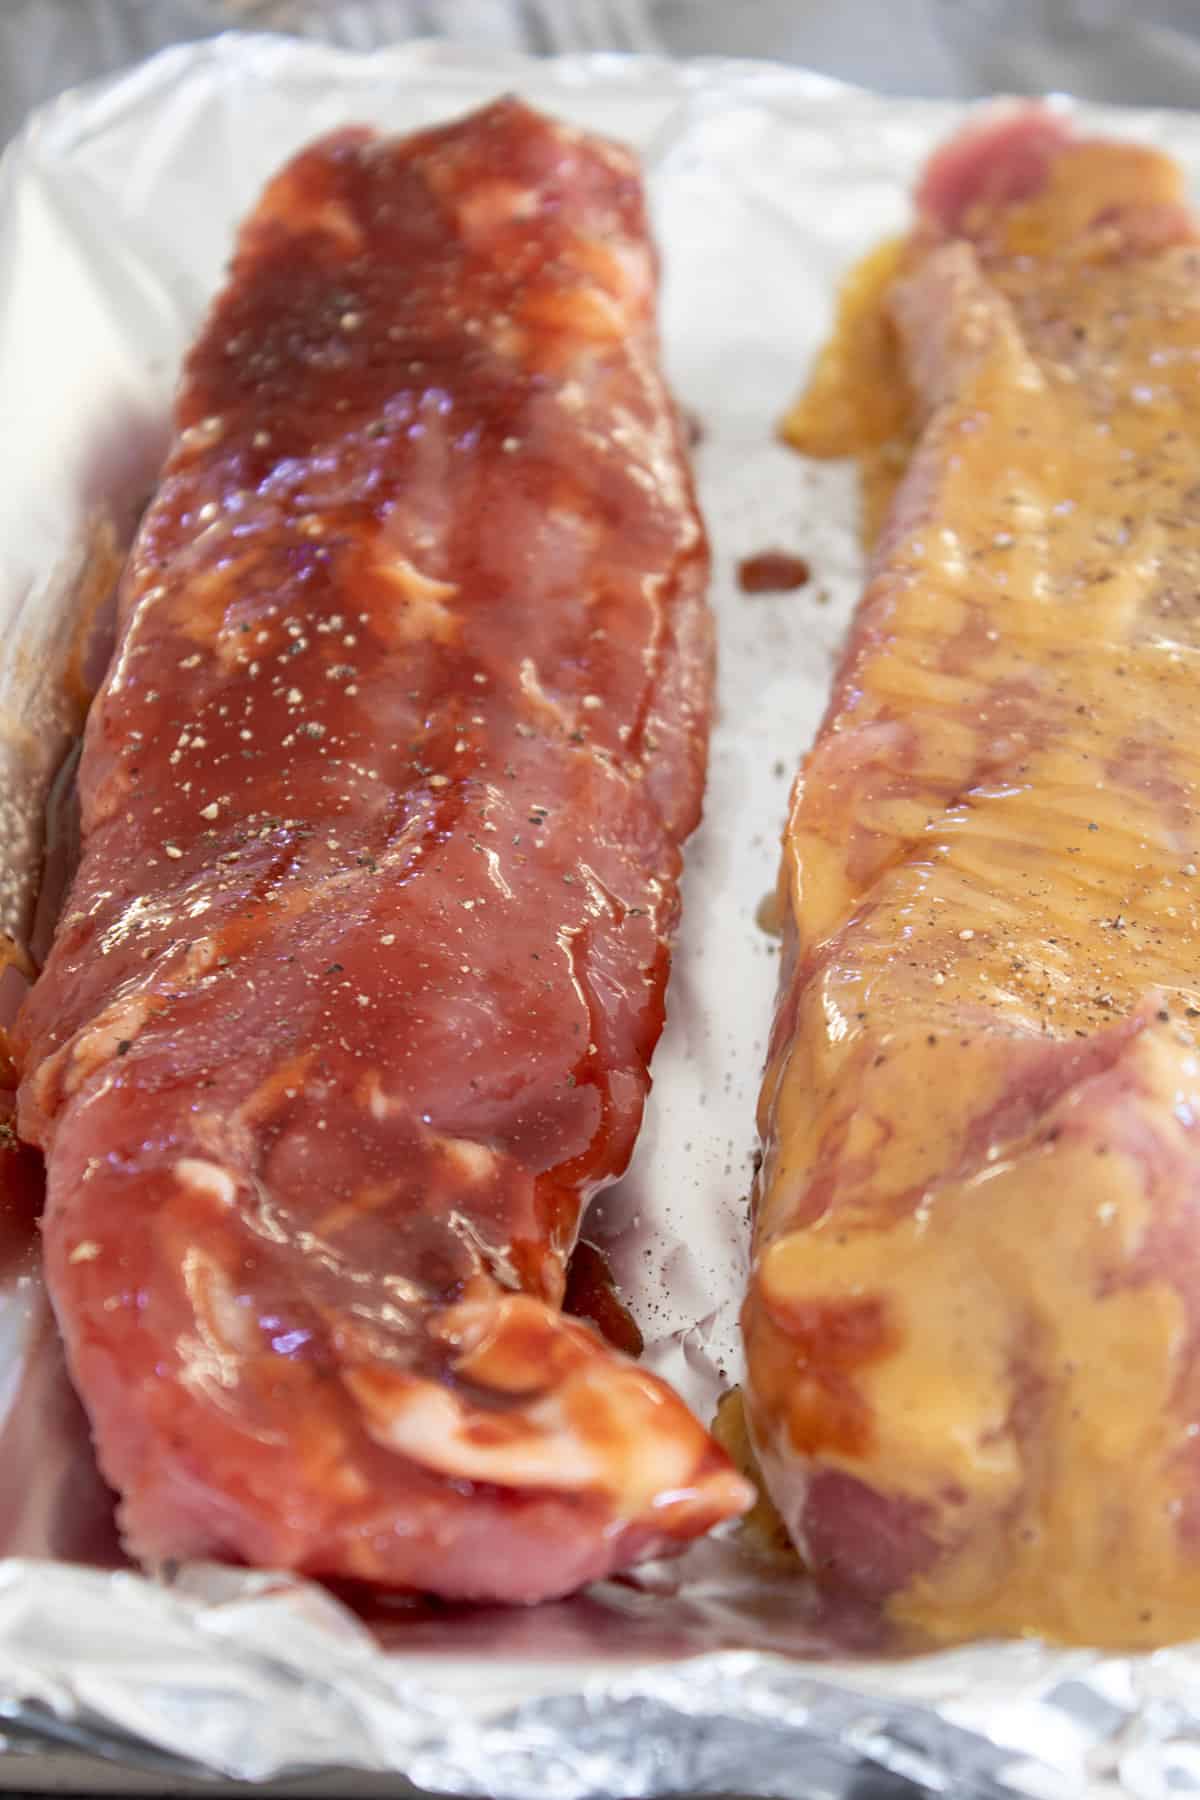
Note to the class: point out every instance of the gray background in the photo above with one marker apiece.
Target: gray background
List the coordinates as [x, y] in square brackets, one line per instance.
[1138, 51]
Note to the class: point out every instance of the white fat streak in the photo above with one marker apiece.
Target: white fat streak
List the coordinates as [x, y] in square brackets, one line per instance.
[425, 616]
[431, 1425]
[118, 1023]
[227, 1330]
[207, 1178]
[600, 1428]
[474, 1162]
[531, 687]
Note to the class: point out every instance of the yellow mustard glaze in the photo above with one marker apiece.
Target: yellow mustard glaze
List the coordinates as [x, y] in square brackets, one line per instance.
[857, 402]
[993, 851]
[761, 1529]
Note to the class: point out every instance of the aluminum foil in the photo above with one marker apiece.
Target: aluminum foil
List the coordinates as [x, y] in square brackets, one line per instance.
[711, 1673]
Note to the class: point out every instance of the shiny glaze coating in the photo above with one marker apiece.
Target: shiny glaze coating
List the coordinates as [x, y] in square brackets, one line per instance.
[351, 1003]
[973, 1326]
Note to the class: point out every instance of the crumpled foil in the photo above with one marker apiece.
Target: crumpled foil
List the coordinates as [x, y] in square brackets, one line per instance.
[711, 1673]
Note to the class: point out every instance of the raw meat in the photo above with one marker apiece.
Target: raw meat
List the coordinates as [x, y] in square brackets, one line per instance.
[351, 1004]
[973, 1325]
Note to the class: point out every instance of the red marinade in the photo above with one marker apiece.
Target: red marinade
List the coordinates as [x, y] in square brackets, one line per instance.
[351, 1004]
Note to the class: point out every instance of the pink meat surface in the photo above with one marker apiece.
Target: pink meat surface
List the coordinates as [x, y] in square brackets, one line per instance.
[352, 999]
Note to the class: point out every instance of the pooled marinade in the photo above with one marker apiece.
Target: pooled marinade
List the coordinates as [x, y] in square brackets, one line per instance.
[352, 999]
[973, 1324]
